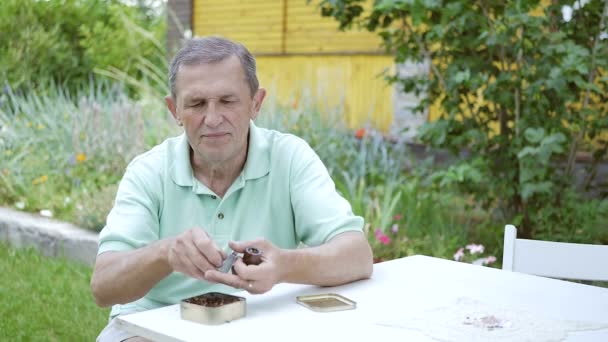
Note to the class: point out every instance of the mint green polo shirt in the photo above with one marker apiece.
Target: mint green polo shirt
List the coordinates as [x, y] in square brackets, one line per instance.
[284, 194]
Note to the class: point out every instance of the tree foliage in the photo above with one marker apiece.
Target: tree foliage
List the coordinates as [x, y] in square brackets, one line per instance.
[521, 85]
[65, 41]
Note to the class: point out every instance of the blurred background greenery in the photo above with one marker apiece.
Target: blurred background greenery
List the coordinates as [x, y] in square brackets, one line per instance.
[82, 93]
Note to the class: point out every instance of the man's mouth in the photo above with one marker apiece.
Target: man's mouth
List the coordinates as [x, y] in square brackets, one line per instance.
[214, 135]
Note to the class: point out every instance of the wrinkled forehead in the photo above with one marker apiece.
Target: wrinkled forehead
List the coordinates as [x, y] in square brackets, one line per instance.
[224, 73]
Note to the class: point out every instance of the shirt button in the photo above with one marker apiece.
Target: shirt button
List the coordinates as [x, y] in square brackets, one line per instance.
[220, 216]
[213, 196]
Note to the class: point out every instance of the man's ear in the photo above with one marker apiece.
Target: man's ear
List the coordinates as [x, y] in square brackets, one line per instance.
[258, 98]
[171, 105]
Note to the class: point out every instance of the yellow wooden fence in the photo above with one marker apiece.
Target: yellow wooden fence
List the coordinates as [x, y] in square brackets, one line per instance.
[302, 56]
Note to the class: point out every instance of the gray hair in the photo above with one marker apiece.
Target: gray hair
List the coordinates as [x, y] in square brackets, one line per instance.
[210, 50]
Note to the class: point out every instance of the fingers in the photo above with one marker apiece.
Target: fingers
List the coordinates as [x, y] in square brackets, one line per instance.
[209, 249]
[193, 270]
[227, 279]
[251, 286]
[180, 262]
[194, 253]
[240, 246]
[254, 279]
[253, 272]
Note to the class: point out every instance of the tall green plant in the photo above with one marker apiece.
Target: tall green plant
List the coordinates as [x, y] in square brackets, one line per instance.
[64, 41]
[60, 150]
[520, 86]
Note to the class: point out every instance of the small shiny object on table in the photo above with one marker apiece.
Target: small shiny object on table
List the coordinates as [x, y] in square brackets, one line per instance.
[326, 302]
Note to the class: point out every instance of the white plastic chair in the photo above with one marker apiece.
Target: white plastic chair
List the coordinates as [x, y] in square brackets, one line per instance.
[554, 259]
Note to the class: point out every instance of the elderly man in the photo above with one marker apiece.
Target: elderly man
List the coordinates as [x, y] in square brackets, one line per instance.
[224, 183]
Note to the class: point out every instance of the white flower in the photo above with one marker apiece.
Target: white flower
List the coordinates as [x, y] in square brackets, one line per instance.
[395, 228]
[603, 35]
[490, 260]
[567, 13]
[459, 254]
[46, 213]
[580, 4]
[475, 249]
[20, 205]
[479, 262]
[485, 261]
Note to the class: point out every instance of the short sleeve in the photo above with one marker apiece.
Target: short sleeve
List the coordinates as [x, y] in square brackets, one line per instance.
[320, 212]
[133, 222]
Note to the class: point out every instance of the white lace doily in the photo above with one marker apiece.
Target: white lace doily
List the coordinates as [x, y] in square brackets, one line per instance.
[468, 320]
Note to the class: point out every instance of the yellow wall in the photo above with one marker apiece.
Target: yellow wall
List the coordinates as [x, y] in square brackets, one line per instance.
[349, 82]
[258, 24]
[307, 31]
[301, 54]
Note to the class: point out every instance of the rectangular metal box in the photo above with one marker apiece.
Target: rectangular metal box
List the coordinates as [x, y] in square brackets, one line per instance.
[213, 308]
[326, 302]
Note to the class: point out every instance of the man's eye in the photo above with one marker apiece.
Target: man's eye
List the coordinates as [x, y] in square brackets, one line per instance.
[227, 101]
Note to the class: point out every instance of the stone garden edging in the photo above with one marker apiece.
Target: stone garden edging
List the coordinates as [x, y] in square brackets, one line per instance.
[51, 237]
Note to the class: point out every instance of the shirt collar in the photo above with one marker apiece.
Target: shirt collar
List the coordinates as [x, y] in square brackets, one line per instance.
[258, 154]
[181, 169]
[256, 166]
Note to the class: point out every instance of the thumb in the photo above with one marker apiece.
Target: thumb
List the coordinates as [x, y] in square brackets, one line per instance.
[238, 246]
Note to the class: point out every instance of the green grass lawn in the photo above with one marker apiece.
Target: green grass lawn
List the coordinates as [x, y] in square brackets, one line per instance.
[46, 299]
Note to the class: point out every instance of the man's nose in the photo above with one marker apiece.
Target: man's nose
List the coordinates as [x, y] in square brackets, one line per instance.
[213, 118]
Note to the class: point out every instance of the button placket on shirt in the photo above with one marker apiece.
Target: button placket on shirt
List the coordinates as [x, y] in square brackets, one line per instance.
[221, 214]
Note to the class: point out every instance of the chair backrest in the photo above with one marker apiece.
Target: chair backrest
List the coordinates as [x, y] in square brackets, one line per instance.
[554, 259]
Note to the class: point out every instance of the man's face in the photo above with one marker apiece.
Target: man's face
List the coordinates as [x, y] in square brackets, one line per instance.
[214, 104]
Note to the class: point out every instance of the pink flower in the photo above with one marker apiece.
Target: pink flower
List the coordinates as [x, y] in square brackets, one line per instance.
[397, 217]
[459, 254]
[395, 228]
[380, 236]
[385, 240]
[490, 260]
[475, 249]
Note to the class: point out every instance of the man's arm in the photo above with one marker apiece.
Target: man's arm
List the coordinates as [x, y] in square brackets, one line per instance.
[345, 258]
[123, 277]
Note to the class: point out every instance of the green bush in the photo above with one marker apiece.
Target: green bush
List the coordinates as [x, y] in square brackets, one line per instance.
[521, 88]
[404, 215]
[65, 41]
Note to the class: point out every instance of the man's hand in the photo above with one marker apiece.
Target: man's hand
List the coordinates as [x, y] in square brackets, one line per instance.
[194, 253]
[345, 258]
[255, 279]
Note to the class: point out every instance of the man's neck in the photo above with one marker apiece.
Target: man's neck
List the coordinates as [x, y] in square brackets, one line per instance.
[217, 177]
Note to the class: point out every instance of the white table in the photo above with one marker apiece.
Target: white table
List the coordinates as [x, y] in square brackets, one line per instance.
[405, 286]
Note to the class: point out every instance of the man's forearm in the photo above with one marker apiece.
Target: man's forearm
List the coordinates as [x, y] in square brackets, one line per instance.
[123, 277]
[346, 258]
